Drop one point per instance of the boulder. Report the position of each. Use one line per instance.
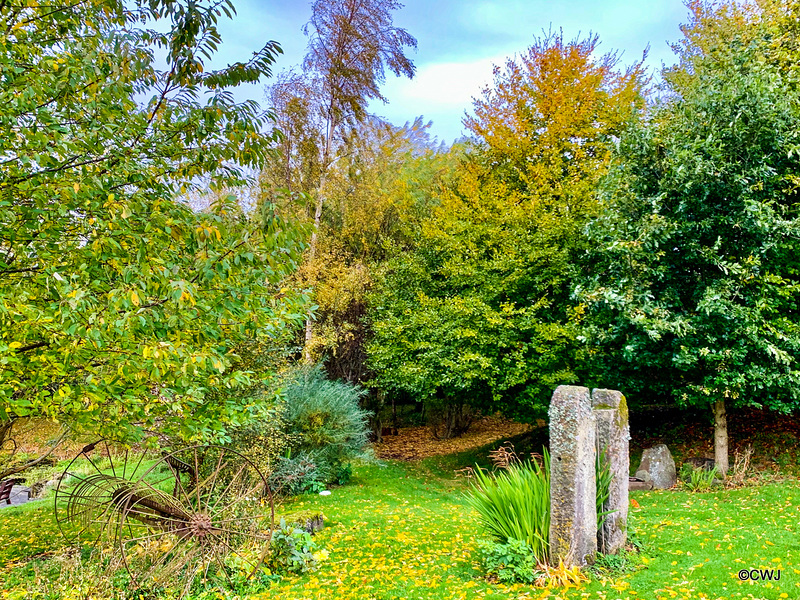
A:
(658, 467)
(634, 483)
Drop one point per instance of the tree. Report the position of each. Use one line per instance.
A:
(351, 45)
(377, 194)
(120, 307)
(695, 291)
(482, 313)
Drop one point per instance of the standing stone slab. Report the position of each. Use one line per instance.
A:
(613, 435)
(573, 514)
(658, 467)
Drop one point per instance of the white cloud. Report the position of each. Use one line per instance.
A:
(447, 84)
(441, 92)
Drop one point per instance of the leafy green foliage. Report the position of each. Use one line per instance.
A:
(481, 312)
(323, 416)
(602, 471)
(376, 194)
(515, 505)
(693, 297)
(510, 562)
(263, 439)
(297, 473)
(615, 565)
(293, 550)
(120, 307)
(698, 479)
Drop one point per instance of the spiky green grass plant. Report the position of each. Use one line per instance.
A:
(514, 504)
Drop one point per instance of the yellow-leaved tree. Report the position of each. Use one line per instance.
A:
(481, 316)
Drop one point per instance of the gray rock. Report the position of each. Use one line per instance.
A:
(635, 483)
(613, 435)
(658, 467)
(41, 488)
(573, 514)
(19, 495)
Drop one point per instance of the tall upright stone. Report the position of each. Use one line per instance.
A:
(573, 513)
(613, 435)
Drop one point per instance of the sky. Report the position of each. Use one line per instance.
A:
(458, 42)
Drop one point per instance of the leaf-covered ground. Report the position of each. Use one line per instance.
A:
(403, 531)
(415, 443)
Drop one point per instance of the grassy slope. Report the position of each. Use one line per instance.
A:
(404, 531)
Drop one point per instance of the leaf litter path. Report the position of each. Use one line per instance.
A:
(416, 443)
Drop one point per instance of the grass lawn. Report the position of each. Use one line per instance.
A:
(403, 530)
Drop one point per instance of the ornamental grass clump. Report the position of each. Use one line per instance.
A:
(515, 504)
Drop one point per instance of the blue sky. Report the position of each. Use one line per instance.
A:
(459, 41)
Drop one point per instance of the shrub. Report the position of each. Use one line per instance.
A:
(698, 479)
(264, 439)
(293, 550)
(325, 421)
(296, 474)
(515, 504)
(510, 562)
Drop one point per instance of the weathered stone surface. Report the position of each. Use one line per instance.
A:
(573, 514)
(613, 435)
(19, 495)
(658, 467)
(638, 484)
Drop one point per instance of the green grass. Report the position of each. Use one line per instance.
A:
(406, 531)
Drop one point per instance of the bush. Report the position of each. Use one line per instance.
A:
(264, 440)
(515, 505)
(510, 562)
(293, 550)
(327, 426)
(698, 479)
(296, 474)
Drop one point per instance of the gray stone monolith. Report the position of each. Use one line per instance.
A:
(658, 467)
(613, 435)
(573, 513)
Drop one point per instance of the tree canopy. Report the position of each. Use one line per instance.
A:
(481, 314)
(694, 293)
(120, 307)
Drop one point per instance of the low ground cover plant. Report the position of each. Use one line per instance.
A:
(698, 479)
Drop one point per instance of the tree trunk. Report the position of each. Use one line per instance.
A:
(312, 251)
(720, 437)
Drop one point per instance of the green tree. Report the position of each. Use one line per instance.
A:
(120, 307)
(695, 290)
(352, 43)
(482, 315)
(377, 195)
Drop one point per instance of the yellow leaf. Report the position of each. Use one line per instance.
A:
(135, 298)
(76, 186)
